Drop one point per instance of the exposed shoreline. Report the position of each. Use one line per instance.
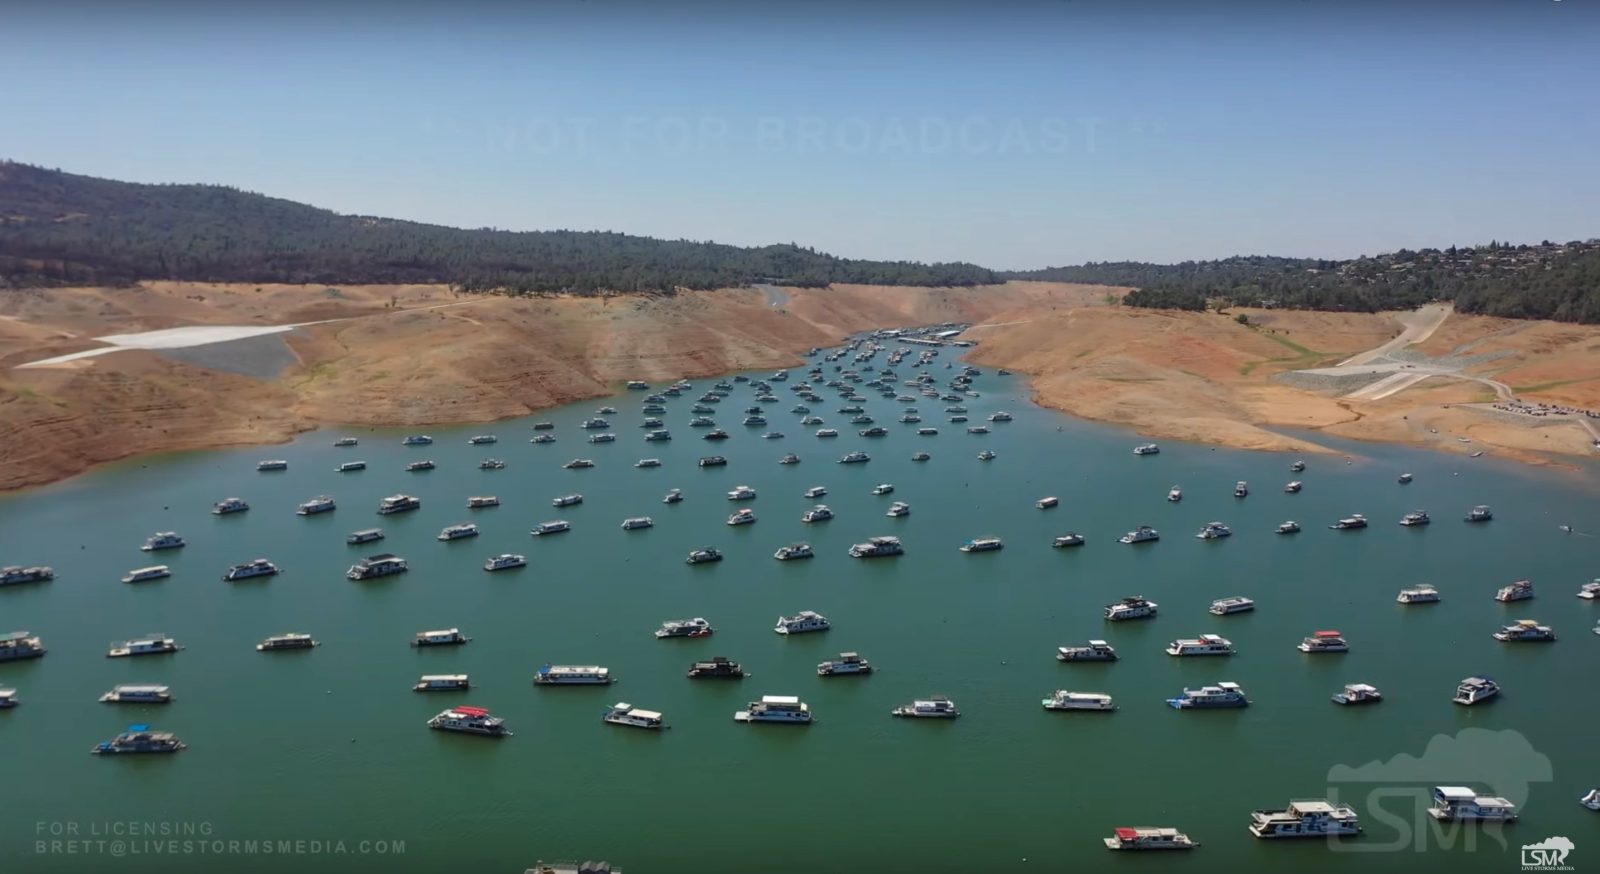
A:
(392, 356)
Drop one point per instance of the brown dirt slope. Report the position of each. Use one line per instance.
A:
(394, 356)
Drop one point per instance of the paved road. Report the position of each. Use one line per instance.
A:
(1419, 326)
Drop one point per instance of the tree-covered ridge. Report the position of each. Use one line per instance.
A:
(1559, 281)
(64, 229)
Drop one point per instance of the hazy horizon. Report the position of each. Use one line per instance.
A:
(1014, 135)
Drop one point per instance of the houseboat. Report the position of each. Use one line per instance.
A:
(1350, 522)
(8, 698)
(442, 683)
(319, 504)
(470, 720)
(505, 561)
(272, 464)
(719, 668)
(1293, 487)
(790, 458)
(846, 663)
(398, 504)
(139, 739)
(1174, 494)
(801, 623)
(350, 467)
(1204, 645)
(482, 439)
(877, 547)
(419, 466)
(696, 627)
(343, 442)
(18, 645)
(1462, 804)
(647, 462)
(543, 438)
(441, 637)
(566, 500)
(741, 493)
(898, 509)
(458, 531)
(1521, 590)
(1134, 607)
(1357, 693)
(986, 455)
(154, 643)
(1142, 534)
(292, 640)
(703, 555)
(137, 695)
(1235, 604)
(1414, 518)
(1525, 631)
(229, 505)
(15, 575)
(139, 575)
(1405, 478)
(623, 713)
(1071, 538)
(782, 709)
(1222, 695)
(1474, 690)
(672, 497)
(713, 461)
(1297, 467)
(1305, 819)
(417, 440)
(163, 540)
(1147, 449)
(932, 707)
(1214, 531)
(1289, 527)
(1241, 489)
(1323, 641)
(815, 492)
(554, 526)
(578, 464)
(1063, 699)
(1480, 513)
(572, 675)
(366, 535)
(250, 570)
(745, 516)
(1126, 838)
(1096, 651)
(793, 551)
(1421, 594)
(606, 437)
(636, 523)
(856, 457)
(372, 567)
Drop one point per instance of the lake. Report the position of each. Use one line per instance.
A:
(328, 747)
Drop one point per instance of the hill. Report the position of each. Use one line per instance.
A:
(1557, 281)
(65, 229)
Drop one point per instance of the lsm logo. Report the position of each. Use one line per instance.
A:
(1549, 854)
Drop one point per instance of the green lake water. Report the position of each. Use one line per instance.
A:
(329, 745)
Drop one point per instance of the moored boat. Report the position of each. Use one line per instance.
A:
(846, 663)
(1521, 590)
(1063, 699)
(154, 643)
(719, 667)
(1132, 607)
(572, 675)
(441, 637)
(1142, 838)
(1525, 631)
(154, 572)
(372, 567)
(292, 640)
(1463, 804)
(1357, 693)
(804, 622)
(1095, 651)
(1305, 819)
(623, 713)
(1234, 604)
(163, 540)
(442, 683)
(139, 739)
(1474, 690)
(470, 720)
(932, 707)
(259, 567)
(696, 627)
(1221, 696)
(505, 561)
(137, 694)
(1324, 641)
(1419, 594)
(780, 709)
(793, 551)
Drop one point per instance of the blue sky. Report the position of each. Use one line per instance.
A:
(1012, 134)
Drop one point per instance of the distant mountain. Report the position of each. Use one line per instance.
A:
(64, 229)
(1559, 281)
